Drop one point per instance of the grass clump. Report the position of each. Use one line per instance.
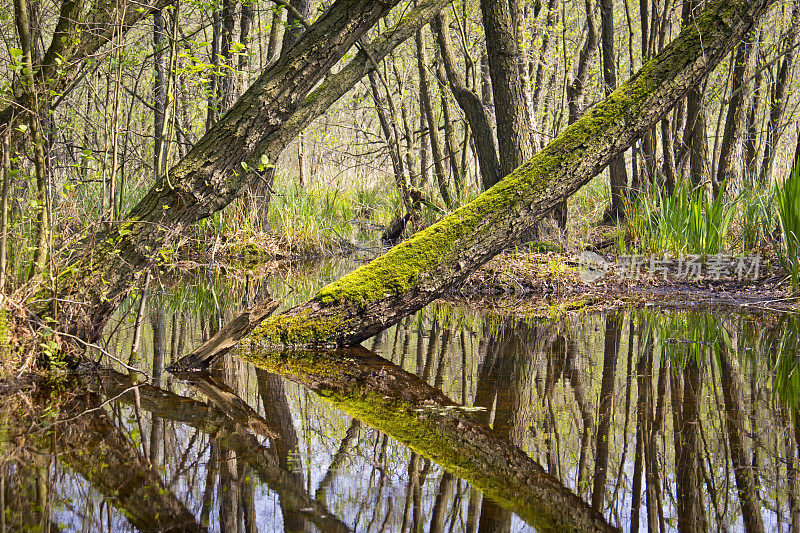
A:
(787, 200)
(683, 221)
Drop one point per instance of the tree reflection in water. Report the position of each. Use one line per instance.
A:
(657, 420)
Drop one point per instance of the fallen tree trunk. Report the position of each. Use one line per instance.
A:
(226, 338)
(412, 274)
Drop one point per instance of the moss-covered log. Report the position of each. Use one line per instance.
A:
(417, 271)
(409, 410)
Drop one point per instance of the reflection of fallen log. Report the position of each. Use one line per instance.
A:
(229, 424)
(89, 443)
(401, 405)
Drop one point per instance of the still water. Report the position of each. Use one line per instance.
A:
(456, 419)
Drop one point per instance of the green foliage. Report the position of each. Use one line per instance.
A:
(786, 371)
(324, 217)
(787, 200)
(684, 221)
(756, 209)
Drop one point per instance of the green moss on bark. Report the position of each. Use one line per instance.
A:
(298, 330)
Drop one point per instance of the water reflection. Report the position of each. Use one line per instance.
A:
(635, 419)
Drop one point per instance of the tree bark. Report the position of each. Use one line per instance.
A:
(294, 28)
(390, 134)
(430, 118)
(746, 476)
(618, 173)
(409, 410)
(472, 106)
(735, 118)
(610, 351)
(412, 274)
(511, 110)
(6, 170)
(779, 98)
(42, 238)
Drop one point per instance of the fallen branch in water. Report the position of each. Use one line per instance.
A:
(225, 339)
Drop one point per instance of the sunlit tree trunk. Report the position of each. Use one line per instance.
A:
(6, 170)
(42, 238)
(511, 111)
(618, 173)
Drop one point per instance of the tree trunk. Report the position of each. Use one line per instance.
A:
(294, 27)
(422, 268)
(430, 118)
(618, 173)
(389, 129)
(746, 476)
(6, 169)
(42, 238)
(449, 134)
(749, 149)
(610, 351)
(780, 94)
(511, 111)
(409, 410)
(472, 106)
(159, 92)
(576, 89)
(691, 516)
(734, 121)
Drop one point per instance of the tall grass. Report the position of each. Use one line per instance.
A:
(756, 210)
(320, 218)
(684, 221)
(787, 199)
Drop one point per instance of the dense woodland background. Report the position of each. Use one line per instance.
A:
(124, 90)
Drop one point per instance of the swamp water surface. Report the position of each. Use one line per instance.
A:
(648, 418)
